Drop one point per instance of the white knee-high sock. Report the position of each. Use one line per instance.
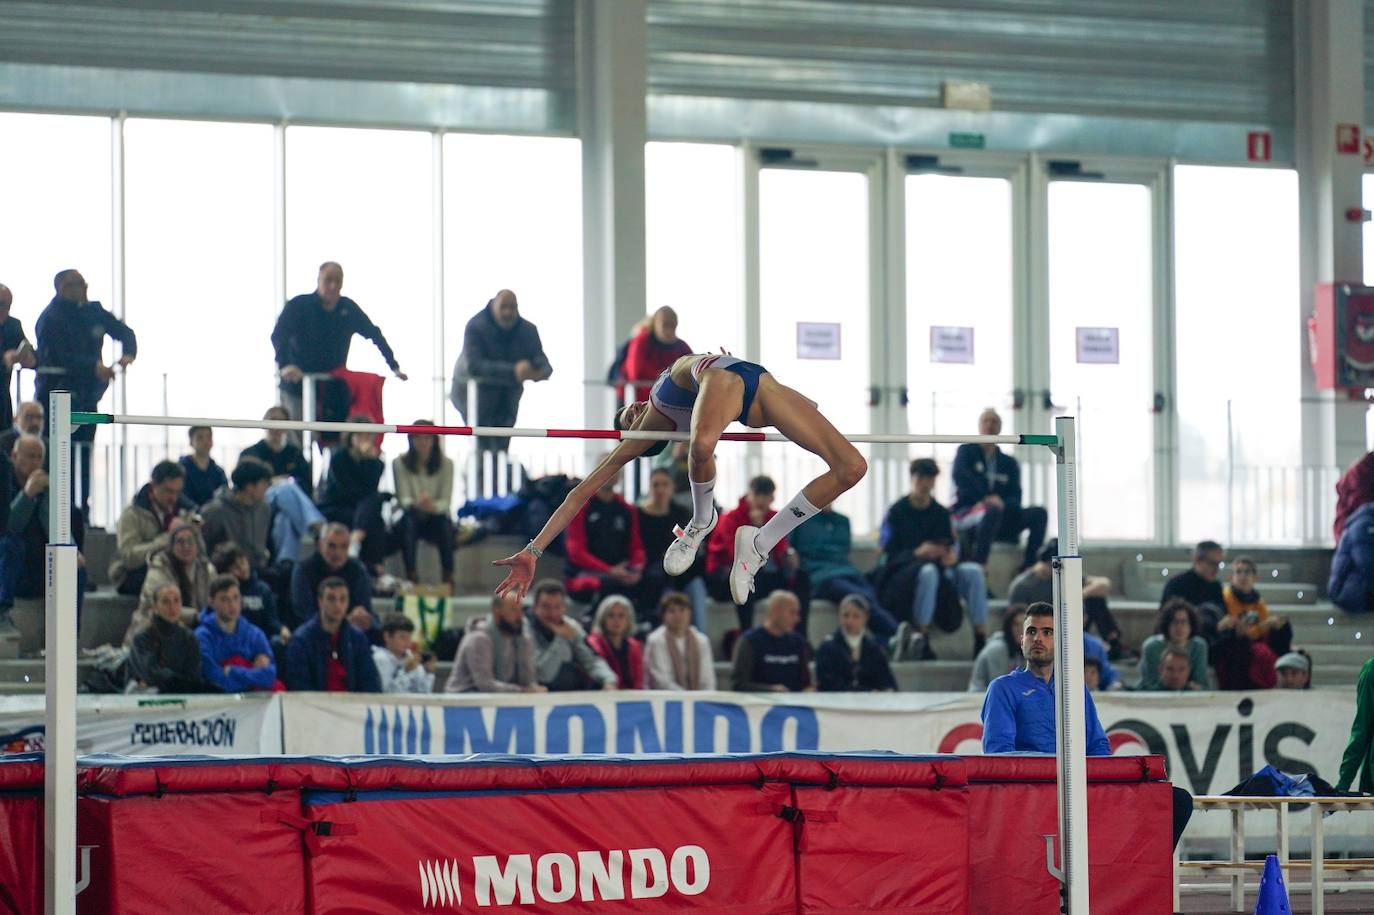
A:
(702, 504)
(783, 523)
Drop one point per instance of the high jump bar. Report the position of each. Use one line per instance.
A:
(292, 425)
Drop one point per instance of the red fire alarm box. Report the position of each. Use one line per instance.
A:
(1341, 336)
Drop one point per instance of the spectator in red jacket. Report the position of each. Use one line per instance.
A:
(1353, 489)
(783, 569)
(605, 552)
(651, 350)
(612, 637)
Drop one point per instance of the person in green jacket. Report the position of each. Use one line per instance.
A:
(1360, 749)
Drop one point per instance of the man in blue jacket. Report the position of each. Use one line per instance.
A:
(235, 655)
(71, 333)
(987, 497)
(1018, 711)
(329, 654)
(1351, 586)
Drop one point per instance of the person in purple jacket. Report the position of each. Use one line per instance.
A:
(235, 655)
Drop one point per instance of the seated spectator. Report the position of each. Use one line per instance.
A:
(1199, 587)
(773, 657)
(1351, 584)
(1092, 674)
(240, 515)
(1354, 489)
(258, 601)
(1294, 670)
(399, 666)
(605, 554)
(24, 497)
(1172, 674)
(1095, 648)
(1018, 711)
(424, 489)
(327, 653)
(658, 516)
(920, 567)
(1248, 614)
(235, 655)
(611, 639)
(496, 654)
(823, 544)
(1037, 584)
(143, 526)
(164, 655)
(562, 658)
(1002, 653)
(203, 475)
(28, 421)
(987, 499)
(349, 495)
(652, 348)
(284, 456)
(782, 571)
(1176, 625)
(183, 564)
(677, 654)
(331, 560)
(851, 660)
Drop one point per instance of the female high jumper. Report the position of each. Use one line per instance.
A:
(703, 394)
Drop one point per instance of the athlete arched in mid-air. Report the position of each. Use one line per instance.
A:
(703, 394)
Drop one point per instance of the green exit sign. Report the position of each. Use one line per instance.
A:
(967, 140)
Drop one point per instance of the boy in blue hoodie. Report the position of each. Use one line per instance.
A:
(235, 655)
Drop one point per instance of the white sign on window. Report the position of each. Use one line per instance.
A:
(1099, 345)
(818, 341)
(951, 344)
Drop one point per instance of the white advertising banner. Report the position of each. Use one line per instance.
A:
(1210, 740)
(153, 725)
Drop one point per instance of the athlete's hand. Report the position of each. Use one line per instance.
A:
(726, 352)
(519, 577)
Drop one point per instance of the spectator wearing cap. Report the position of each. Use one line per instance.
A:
(203, 475)
(851, 660)
(400, 667)
(773, 657)
(1294, 670)
(677, 654)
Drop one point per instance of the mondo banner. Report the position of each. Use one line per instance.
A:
(152, 725)
(1211, 741)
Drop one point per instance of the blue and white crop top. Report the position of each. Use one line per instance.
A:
(676, 402)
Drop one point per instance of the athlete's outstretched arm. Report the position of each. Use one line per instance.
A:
(522, 564)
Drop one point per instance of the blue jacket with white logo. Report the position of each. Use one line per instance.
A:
(1018, 717)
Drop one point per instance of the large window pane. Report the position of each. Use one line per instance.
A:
(814, 287)
(56, 187)
(693, 241)
(513, 219)
(959, 306)
(364, 198)
(1236, 261)
(198, 254)
(1101, 312)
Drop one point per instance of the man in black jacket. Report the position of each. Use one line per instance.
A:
(71, 332)
(501, 351)
(987, 499)
(314, 331)
(327, 654)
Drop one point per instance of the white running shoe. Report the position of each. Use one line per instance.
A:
(682, 552)
(748, 561)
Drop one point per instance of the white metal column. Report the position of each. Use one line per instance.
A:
(1071, 745)
(119, 467)
(59, 671)
(436, 192)
(612, 122)
(1329, 76)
